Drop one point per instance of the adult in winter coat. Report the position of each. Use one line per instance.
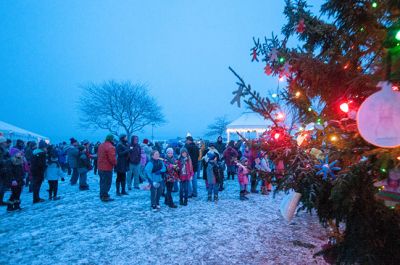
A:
(193, 151)
(38, 167)
(4, 168)
(185, 175)
(122, 165)
(73, 156)
(155, 168)
(171, 176)
(106, 161)
(83, 167)
(230, 156)
(134, 163)
(94, 155)
(16, 181)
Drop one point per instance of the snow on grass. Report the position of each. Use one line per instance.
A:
(80, 229)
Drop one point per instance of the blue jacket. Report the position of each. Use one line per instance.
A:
(156, 176)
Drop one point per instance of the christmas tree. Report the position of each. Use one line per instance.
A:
(343, 54)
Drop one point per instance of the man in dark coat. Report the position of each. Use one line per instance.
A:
(122, 164)
(134, 163)
(38, 167)
(194, 152)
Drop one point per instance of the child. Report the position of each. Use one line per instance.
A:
(212, 175)
(53, 174)
(16, 182)
(83, 167)
(243, 178)
(262, 165)
(172, 175)
(154, 170)
(185, 175)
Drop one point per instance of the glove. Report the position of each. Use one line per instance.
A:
(156, 184)
(14, 183)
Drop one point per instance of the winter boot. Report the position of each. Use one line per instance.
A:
(17, 204)
(181, 202)
(209, 198)
(215, 198)
(242, 195)
(185, 202)
(10, 206)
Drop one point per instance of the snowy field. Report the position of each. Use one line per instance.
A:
(80, 229)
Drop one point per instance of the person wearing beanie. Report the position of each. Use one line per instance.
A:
(106, 161)
(53, 173)
(212, 176)
(4, 168)
(172, 175)
(73, 157)
(185, 175)
(83, 167)
(38, 167)
(16, 181)
(122, 164)
(193, 152)
(134, 163)
(155, 169)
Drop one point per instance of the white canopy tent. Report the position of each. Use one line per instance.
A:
(247, 123)
(14, 133)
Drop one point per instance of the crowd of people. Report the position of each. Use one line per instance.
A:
(161, 169)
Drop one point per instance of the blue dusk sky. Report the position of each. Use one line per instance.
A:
(180, 48)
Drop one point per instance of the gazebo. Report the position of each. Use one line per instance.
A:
(248, 124)
(14, 133)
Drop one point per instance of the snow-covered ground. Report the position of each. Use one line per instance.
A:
(80, 229)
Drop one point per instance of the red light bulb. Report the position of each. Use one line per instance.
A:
(344, 107)
(277, 135)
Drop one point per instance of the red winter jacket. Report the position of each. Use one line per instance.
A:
(189, 170)
(106, 159)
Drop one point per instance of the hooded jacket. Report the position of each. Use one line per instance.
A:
(106, 157)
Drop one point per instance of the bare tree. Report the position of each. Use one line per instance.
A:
(218, 127)
(117, 106)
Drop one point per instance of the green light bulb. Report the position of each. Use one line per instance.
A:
(281, 59)
(383, 170)
(374, 4)
(398, 35)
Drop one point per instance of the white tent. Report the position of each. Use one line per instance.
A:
(13, 133)
(247, 123)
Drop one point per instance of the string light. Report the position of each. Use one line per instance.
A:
(274, 95)
(344, 107)
(281, 59)
(395, 88)
(398, 158)
(282, 78)
(277, 135)
(319, 121)
(374, 4)
(309, 109)
(383, 170)
(297, 94)
(334, 138)
(398, 36)
(280, 116)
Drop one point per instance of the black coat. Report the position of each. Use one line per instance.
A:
(135, 154)
(122, 151)
(38, 163)
(194, 153)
